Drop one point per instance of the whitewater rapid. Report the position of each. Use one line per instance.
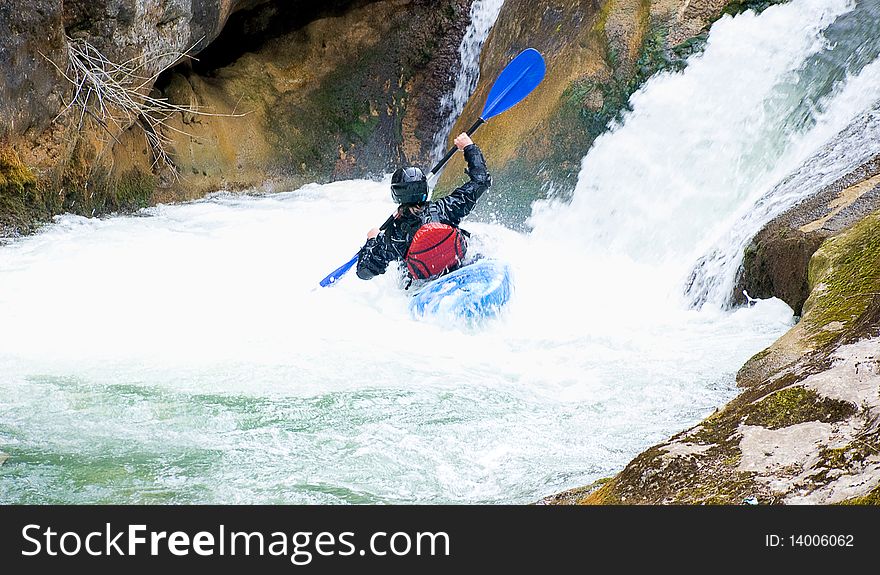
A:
(186, 354)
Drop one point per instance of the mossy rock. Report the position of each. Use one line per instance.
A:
(872, 498)
(15, 177)
(604, 495)
(131, 191)
(702, 465)
(19, 195)
(657, 477)
(844, 277)
(843, 306)
(577, 495)
(738, 6)
(795, 405)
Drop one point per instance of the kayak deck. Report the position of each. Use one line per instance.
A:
(477, 291)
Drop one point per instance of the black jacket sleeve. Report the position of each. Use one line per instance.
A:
(459, 203)
(374, 257)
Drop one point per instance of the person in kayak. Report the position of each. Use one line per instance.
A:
(425, 235)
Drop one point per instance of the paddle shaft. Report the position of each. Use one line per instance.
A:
(453, 149)
(340, 271)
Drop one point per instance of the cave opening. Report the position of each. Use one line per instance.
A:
(248, 30)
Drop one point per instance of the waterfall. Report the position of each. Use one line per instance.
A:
(820, 96)
(714, 276)
(483, 16)
(706, 157)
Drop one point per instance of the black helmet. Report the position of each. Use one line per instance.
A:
(409, 186)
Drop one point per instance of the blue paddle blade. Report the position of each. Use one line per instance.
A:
(517, 80)
(339, 272)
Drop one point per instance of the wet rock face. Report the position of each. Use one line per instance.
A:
(30, 89)
(353, 93)
(775, 263)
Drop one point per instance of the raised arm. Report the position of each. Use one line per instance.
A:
(459, 203)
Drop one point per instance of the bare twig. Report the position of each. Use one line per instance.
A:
(116, 95)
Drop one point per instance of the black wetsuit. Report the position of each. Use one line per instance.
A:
(393, 242)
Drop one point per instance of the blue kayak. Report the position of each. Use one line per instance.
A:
(477, 291)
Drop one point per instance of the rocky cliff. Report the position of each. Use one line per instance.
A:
(62, 155)
(350, 95)
(291, 92)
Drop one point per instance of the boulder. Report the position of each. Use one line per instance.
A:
(775, 264)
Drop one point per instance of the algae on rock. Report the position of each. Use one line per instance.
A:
(19, 196)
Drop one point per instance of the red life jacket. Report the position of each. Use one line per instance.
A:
(435, 249)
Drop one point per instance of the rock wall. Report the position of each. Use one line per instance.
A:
(31, 89)
(68, 158)
(34, 52)
(296, 91)
(349, 95)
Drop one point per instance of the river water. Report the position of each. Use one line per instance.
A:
(185, 355)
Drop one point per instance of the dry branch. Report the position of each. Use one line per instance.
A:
(116, 95)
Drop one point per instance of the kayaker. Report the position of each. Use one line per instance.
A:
(423, 234)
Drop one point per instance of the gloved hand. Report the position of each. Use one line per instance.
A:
(462, 141)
